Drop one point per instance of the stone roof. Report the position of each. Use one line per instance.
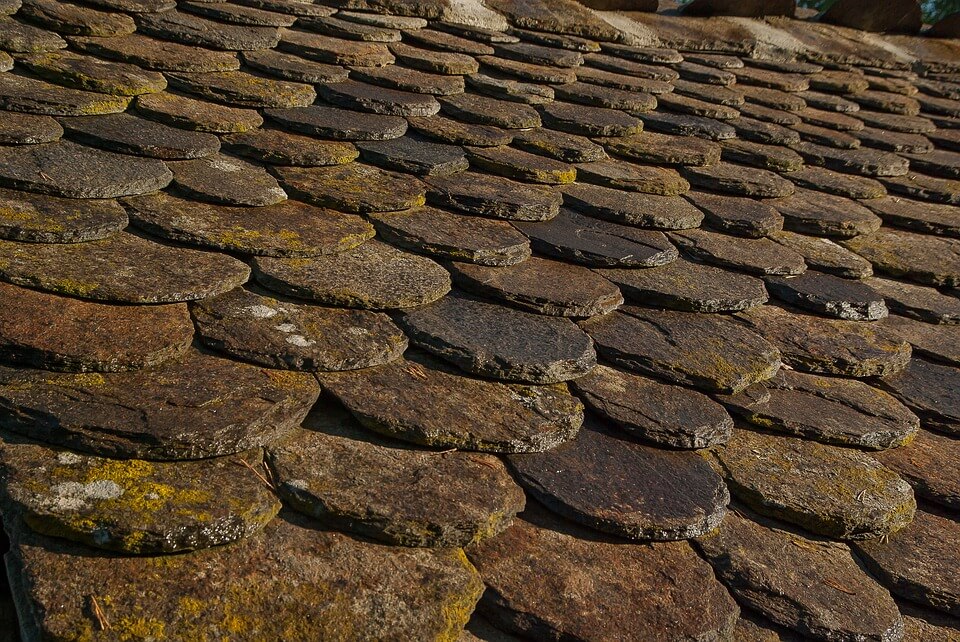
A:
(441, 320)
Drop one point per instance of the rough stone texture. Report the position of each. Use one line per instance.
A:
(481, 110)
(507, 88)
(290, 67)
(686, 125)
(277, 147)
(424, 401)
(635, 591)
(526, 71)
(93, 74)
(937, 342)
(438, 62)
(448, 42)
(756, 256)
(129, 134)
(825, 255)
(338, 124)
(293, 336)
(737, 215)
(543, 286)
(648, 179)
(291, 580)
(373, 275)
(925, 188)
(686, 285)
(926, 625)
(813, 586)
(289, 228)
(900, 16)
(520, 165)
(917, 301)
(241, 89)
(134, 506)
(197, 406)
(226, 180)
(925, 259)
(829, 410)
(198, 115)
(498, 342)
(893, 141)
(618, 486)
(123, 268)
(929, 218)
(353, 187)
(761, 155)
(454, 132)
(51, 219)
(862, 162)
(421, 82)
(238, 14)
(732, 179)
(189, 29)
(829, 295)
(18, 37)
(632, 208)
(335, 50)
(661, 149)
(581, 239)
(655, 412)
(160, 55)
(609, 97)
(494, 197)
(59, 333)
(932, 391)
(710, 352)
(819, 214)
(354, 480)
(559, 145)
(836, 492)
(919, 562)
(28, 129)
(378, 100)
(75, 171)
(825, 180)
(589, 121)
(829, 346)
(415, 155)
(72, 19)
(931, 463)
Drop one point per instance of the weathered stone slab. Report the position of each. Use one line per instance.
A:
(774, 99)
(226, 180)
(770, 115)
(351, 479)
(930, 390)
(916, 301)
(353, 187)
(897, 122)
(239, 14)
(34, 96)
(50, 219)
(76, 20)
(648, 179)
(454, 132)
(687, 125)
(637, 69)
(736, 215)
(619, 81)
(685, 104)
(761, 155)
(401, 78)
(930, 463)
(447, 42)
(638, 591)
(277, 147)
(730, 97)
(829, 295)
(198, 115)
(569, 148)
(632, 208)
(128, 134)
(928, 218)
(371, 276)
(836, 492)
(159, 55)
(937, 342)
(599, 96)
(502, 86)
(564, 17)
(134, 506)
(520, 165)
(241, 89)
(825, 180)
(482, 110)
(423, 401)
(757, 256)
(901, 16)
(338, 124)
(28, 129)
(821, 123)
(862, 162)
(438, 62)
(925, 259)
(526, 71)
(819, 214)
(193, 407)
(378, 100)
(733, 179)
(189, 29)
(495, 341)
(829, 346)
(388, 21)
(19, 37)
(925, 188)
(585, 120)
(93, 74)
(335, 26)
(290, 67)
(893, 141)
(581, 239)
(825, 255)
(661, 149)
(494, 197)
(335, 51)
(710, 352)
(812, 586)
(823, 136)
(839, 81)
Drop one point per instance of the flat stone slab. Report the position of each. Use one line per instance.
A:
(829, 295)
(293, 336)
(829, 346)
(937, 342)
(415, 155)
(449, 235)
(733, 179)
(289, 577)
(657, 413)
(238, 14)
(189, 408)
(374, 276)
(454, 132)
(558, 145)
(39, 218)
(445, 41)
(505, 87)
(930, 463)
(737, 215)
(58, 333)
(354, 187)
(542, 286)
(498, 342)
(405, 79)
(189, 29)
(133, 506)
(439, 62)
(66, 169)
(494, 197)
(665, 344)
(93, 74)
(825, 180)
(129, 134)
(919, 562)
(819, 214)
(764, 156)
(18, 37)
(338, 124)
(632, 208)
(289, 228)
(291, 67)
(159, 55)
(599, 96)
(596, 243)
(825, 255)
(198, 115)
(123, 268)
(521, 165)
(482, 110)
(930, 390)
(623, 175)
(423, 401)
(339, 51)
(920, 216)
(354, 480)
(922, 258)
(829, 410)
(378, 100)
(28, 129)
(241, 89)
(925, 188)
(863, 161)
(687, 125)
(760, 256)
(812, 586)
(276, 147)
(228, 181)
(34, 96)
(638, 591)
(589, 121)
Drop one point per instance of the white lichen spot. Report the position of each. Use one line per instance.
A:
(224, 165)
(300, 341)
(260, 311)
(103, 489)
(68, 459)
(358, 332)
(286, 327)
(298, 484)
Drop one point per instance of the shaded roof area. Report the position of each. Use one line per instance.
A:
(380, 320)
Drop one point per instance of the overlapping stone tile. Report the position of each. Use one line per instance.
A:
(930, 464)
(824, 136)
(609, 97)
(482, 110)
(160, 55)
(411, 23)
(238, 14)
(733, 179)
(402, 78)
(72, 19)
(917, 301)
(448, 42)
(528, 72)
(930, 390)
(768, 115)
(198, 115)
(761, 155)
(687, 125)
(830, 182)
(241, 89)
(649, 179)
(925, 188)
(619, 81)
(277, 147)
(189, 29)
(423, 401)
(930, 218)
(129, 134)
(896, 122)
(640, 209)
(353, 187)
(33, 96)
(925, 259)
(133, 506)
(759, 256)
(349, 30)
(822, 122)
(454, 132)
(938, 342)
(735, 215)
(829, 295)
(338, 124)
(134, 6)
(773, 98)
(439, 62)
(226, 180)
(662, 149)
(825, 255)
(816, 213)
(892, 141)
(500, 85)
(93, 74)
(362, 96)
(51, 219)
(558, 145)
(334, 50)
(28, 129)
(415, 155)
(291, 67)
(19, 37)
(494, 197)
(521, 165)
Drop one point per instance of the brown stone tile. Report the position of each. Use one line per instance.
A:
(825, 255)
(925, 259)
(759, 256)
(26, 216)
(198, 115)
(160, 55)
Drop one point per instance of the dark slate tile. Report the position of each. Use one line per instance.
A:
(41, 330)
(564, 17)
(619, 81)
(589, 241)
(825, 255)
(716, 94)
(683, 104)
(75, 171)
(423, 401)
(707, 351)
(562, 146)
(543, 286)
(837, 411)
(831, 182)
(941, 163)
(336, 27)
(689, 286)
(930, 463)
(717, 61)
(160, 55)
(294, 336)
(226, 180)
(354, 187)
(18, 37)
(829, 346)
(93, 74)
(734, 179)
(896, 123)
(584, 120)
(609, 97)
(761, 155)
(277, 147)
(759, 256)
(115, 505)
(33, 96)
(828, 137)
(829, 102)
(350, 479)
(648, 590)
(198, 115)
(438, 62)
(520, 165)
(6, 61)
(189, 29)
(539, 55)
(815, 486)
(338, 124)
(937, 342)
(493, 36)
(493, 197)
(415, 155)
(784, 81)
(626, 67)
(655, 494)
(361, 96)
(655, 412)
(455, 132)
(917, 301)
(945, 138)
(499, 85)
(50, 219)
(532, 73)
(130, 134)
(819, 214)
(481, 110)
(838, 82)
(290, 67)
(557, 40)
(412, 80)
(829, 295)
(892, 141)
(447, 42)
(241, 89)
(887, 102)
(930, 390)
(448, 235)
(290, 7)
(238, 14)
(372, 276)
(710, 74)
(810, 585)
(925, 259)
(193, 407)
(929, 218)
(769, 115)
(773, 98)
(925, 188)
(686, 125)
(737, 215)
(863, 161)
(388, 21)
(830, 120)
(334, 51)
(72, 19)
(662, 149)
(632, 208)
(134, 6)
